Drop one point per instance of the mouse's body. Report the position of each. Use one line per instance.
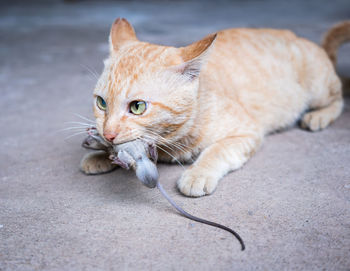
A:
(137, 154)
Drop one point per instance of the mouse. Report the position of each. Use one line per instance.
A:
(141, 156)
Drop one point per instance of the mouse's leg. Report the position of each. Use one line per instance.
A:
(215, 161)
(96, 163)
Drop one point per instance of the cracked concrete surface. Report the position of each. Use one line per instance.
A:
(290, 203)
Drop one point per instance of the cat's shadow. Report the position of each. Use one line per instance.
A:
(122, 186)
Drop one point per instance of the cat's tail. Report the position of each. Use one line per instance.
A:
(336, 36)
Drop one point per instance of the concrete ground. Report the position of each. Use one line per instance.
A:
(290, 203)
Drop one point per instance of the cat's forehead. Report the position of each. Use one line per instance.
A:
(135, 64)
(142, 57)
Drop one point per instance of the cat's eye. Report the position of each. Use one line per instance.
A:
(101, 103)
(137, 107)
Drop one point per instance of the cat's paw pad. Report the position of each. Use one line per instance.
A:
(196, 184)
(315, 121)
(96, 163)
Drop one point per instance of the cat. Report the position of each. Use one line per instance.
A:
(211, 103)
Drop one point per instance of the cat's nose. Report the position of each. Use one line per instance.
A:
(110, 136)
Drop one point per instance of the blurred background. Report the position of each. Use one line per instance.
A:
(290, 203)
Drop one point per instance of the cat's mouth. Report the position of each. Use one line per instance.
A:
(97, 142)
(123, 141)
(92, 131)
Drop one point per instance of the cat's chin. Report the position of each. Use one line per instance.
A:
(122, 141)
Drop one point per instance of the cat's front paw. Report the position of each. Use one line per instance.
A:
(96, 163)
(196, 183)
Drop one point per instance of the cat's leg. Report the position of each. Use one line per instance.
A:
(96, 163)
(215, 161)
(319, 119)
(326, 101)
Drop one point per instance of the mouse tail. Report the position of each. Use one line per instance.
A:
(200, 220)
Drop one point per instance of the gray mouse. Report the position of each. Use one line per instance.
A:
(142, 156)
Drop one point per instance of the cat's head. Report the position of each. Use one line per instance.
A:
(147, 90)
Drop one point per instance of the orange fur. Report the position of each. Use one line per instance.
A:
(337, 35)
(213, 101)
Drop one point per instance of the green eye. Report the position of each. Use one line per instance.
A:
(101, 103)
(137, 107)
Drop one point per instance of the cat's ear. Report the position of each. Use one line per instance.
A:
(121, 33)
(194, 56)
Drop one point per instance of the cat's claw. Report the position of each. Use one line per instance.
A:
(196, 184)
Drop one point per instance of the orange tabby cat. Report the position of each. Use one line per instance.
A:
(212, 102)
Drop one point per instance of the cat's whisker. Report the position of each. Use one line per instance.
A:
(82, 127)
(81, 123)
(92, 78)
(95, 72)
(84, 118)
(79, 133)
(169, 146)
(178, 148)
(155, 139)
(78, 125)
(89, 70)
(177, 145)
(171, 156)
(72, 128)
(185, 147)
(76, 128)
(163, 143)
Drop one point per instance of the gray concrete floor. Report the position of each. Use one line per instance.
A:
(290, 203)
